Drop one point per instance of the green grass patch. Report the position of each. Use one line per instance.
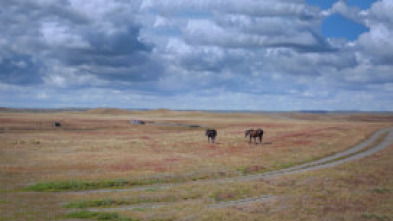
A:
(125, 202)
(95, 203)
(377, 217)
(98, 216)
(112, 184)
(382, 190)
(287, 165)
(77, 185)
(112, 203)
(3, 202)
(151, 190)
(90, 185)
(139, 209)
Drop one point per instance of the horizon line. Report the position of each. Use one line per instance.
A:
(315, 111)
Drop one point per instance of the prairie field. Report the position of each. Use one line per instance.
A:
(99, 166)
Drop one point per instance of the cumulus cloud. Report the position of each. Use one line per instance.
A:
(222, 54)
(377, 43)
(98, 39)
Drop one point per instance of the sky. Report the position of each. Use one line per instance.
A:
(264, 55)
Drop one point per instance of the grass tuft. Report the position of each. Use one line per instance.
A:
(98, 216)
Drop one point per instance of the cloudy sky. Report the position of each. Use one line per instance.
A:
(197, 54)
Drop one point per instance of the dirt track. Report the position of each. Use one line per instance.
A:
(366, 148)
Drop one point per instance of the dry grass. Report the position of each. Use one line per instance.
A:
(99, 146)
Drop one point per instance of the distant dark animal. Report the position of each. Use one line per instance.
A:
(254, 134)
(138, 122)
(56, 124)
(211, 135)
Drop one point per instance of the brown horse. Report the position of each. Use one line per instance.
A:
(211, 135)
(254, 133)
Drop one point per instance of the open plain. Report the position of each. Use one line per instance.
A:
(98, 166)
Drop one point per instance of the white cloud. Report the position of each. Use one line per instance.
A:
(381, 11)
(62, 77)
(377, 44)
(58, 35)
(352, 13)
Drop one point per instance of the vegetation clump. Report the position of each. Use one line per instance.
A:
(76, 185)
(101, 216)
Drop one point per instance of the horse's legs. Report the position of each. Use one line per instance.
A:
(260, 139)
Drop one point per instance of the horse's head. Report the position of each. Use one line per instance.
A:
(246, 133)
(211, 133)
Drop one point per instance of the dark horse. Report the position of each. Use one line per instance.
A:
(56, 124)
(211, 134)
(254, 133)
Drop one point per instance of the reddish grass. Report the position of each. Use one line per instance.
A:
(122, 167)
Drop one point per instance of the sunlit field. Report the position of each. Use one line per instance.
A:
(53, 173)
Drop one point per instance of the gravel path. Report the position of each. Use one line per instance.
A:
(356, 152)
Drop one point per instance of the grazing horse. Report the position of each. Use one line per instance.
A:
(211, 134)
(254, 133)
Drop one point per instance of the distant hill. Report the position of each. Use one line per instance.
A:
(113, 111)
(161, 110)
(314, 111)
(5, 109)
(40, 110)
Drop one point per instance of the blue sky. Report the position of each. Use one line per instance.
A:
(337, 26)
(190, 54)
(326, 4)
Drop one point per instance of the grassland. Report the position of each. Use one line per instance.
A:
(45, 171)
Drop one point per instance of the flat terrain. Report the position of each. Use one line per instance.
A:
(99, 166)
